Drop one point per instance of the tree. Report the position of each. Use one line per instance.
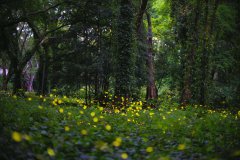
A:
(151, 87)
(23, 37)
(124, 73)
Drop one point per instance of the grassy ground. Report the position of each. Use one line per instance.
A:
(64, 128)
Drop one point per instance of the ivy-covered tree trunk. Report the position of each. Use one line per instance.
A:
(208, 35)
(124, 73)
(151, 87)
(204, 58)
(190, 43)
(140, 71)
(186, 92)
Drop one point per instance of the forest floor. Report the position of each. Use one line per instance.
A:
(59, 127)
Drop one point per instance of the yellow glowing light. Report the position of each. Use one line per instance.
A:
(61, 110)
(16, 136)
(93, 114)
(84, 132)
(181, 147)
(66, 128)
(124, 155)
(95, 119)
(108, 127)
(51, 152)
(81, 112)
(149, 149)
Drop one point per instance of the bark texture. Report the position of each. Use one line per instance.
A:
(151, 87)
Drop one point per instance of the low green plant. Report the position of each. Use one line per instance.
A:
(53, 128)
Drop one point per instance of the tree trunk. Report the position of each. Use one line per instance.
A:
(40, 75)
(96, 86)
(141, 67)
(204, 58)
(99, 74)
(187, 92)
(28, 76)
(151, 87)
(17, 82)
(189, 66)
(124, 71)
(30, 84)
(105, 83)
(140, 14)
(4, 82)
(43, 71)
(86, 87)
(9, 76)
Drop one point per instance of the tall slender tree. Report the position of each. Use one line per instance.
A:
(151, 87)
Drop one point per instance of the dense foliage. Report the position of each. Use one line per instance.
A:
(65, 128)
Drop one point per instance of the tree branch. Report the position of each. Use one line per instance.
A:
(140, 14)
(24, 18)
(45, 10)
(40, 40)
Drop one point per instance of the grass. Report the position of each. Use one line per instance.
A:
(65, 128)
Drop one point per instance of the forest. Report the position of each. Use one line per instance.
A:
(120, 79)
